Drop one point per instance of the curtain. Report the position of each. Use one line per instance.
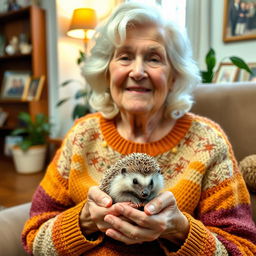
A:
(198, 14)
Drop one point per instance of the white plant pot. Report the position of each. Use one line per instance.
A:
(30, 161)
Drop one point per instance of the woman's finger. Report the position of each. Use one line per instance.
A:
(99, 197)
(159, 203)
(120, 237)
(130, 233)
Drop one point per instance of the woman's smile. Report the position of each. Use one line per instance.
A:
(138, 89)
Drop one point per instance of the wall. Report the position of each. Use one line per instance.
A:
(68, 52)
(243, 49)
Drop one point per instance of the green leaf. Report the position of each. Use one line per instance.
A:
(24, 117)
(210, 60)
(19, 131)
(80, 110)
(240, 64)
(62, 101)
(67, 82)
(25, 144)
(81, 57)
(207, 76)
(80, 93)
(40, 119)
(34, 132)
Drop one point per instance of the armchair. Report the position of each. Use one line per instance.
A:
(231, 105)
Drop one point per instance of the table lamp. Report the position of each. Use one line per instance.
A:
(82, 24)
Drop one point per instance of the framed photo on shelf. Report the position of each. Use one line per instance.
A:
(34, 89)
(239, 20)
(245, 76)
(227, 72)
(11, 141)
(14, 84)
(3, 117)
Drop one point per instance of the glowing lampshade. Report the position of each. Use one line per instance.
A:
(82, 24)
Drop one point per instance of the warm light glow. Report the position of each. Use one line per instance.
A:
(82, 24)
(81, 33)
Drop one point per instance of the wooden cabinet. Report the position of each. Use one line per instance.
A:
(31, 22)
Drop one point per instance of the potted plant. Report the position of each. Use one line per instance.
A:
(210, 60)
(29, 154)
(80, 108)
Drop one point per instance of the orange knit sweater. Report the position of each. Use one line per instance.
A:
(199, 168)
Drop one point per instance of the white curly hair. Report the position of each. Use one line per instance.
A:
(180, 99)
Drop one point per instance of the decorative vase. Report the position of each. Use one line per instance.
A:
(30, 161)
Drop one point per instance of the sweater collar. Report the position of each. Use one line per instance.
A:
(123, 146)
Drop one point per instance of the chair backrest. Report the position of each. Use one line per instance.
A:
(233, 107)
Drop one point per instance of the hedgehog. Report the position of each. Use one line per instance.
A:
(136, 178)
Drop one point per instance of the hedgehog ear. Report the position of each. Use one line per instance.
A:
(123, 170)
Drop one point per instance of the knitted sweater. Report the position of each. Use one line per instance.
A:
(199, 169)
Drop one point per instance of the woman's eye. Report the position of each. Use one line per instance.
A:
(124, 58)
(154, 59)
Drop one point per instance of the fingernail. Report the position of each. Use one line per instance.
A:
(105, 201)
(151, 208)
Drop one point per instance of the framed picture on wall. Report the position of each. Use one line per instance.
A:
(14, 84)
(245, 76)
(239, 20)
(226, 73)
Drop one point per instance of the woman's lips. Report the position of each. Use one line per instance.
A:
(138, 89)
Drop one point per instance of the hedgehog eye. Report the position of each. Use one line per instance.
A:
(151, 183)
(135, 181)
(123, 170)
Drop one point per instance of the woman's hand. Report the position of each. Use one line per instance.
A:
(161, 219)
(98, 205)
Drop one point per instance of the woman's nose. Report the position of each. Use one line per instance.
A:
(138, 71)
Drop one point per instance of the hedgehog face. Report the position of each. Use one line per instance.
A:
(134, 178)
(135, 187)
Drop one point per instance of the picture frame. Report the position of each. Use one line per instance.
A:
(34, 89)
(3, 117)
(10, 142)
(14, 84)
(244, 76)
(239, 20)
(226, 73)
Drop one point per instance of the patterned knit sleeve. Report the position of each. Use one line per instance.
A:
(53, 227)
(222, 222)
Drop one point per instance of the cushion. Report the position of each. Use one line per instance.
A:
(248, 169)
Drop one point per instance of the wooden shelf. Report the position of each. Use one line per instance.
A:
(31, 22)
(14, 15)
(15, 56)
(13, 101)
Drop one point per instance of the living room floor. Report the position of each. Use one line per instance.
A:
(16, 188)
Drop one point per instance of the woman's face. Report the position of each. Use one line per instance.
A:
(140, 73)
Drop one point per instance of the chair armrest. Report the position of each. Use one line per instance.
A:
(12, 221)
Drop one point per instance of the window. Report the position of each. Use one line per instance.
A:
(175, 9)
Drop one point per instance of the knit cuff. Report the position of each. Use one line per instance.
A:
(67, 234)
(195, 241)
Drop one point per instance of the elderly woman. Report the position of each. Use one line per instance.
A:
(142, 75)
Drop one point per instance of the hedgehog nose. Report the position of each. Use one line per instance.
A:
(145, 193)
